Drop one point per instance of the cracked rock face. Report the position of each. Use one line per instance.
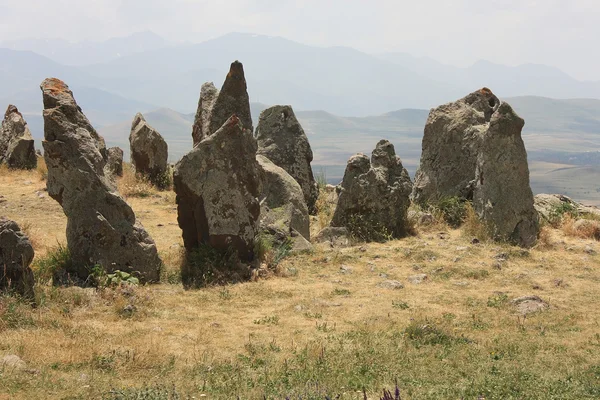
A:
(503, 198)
(216, 107)
(149, 151)
(451, 142)
(217, 186)
(16, 143)
(374, 195)
(472, 149)
(283, 212)
(101, 227)
(16, 255)
(282, 140)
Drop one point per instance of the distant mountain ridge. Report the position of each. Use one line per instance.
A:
(340, 80)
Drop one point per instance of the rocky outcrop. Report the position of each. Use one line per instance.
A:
(201, 128)
(374, 195)
(114, 161)
(16, 255)
(503, 198)
(101, 227)
(149, 152)
(451, 142)
(216, 107)
(217, 187)
(282, 140)
(552, 206)
(16, 143)
(283, 211)
(472, 149)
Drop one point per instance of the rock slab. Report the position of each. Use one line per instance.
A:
(217, 186)
(149, 152)
(101, 227)
(16, 255)
(216, 107)
(374, 195)
(282, 140)
(16, 143)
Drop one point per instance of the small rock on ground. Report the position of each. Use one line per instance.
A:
(390, 284)
(417, 279)
(529, 304)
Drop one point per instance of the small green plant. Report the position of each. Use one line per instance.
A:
(365, 229)
(56, 259)
(427, 334)
(341, 292)
(498, 300)
(402, 305)
(268, 320)
(120, 278)
(205, 266)
(263, 245)
(451, 209)
(557, 214)
(321, 179)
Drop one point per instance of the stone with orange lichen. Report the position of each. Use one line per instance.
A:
(102, 229)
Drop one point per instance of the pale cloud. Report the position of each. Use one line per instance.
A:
(554, 32)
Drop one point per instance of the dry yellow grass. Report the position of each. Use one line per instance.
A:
(318, 323)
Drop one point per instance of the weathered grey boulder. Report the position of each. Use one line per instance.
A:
(16, 143)
(114, 162)
(149, 152)
(101, 228)
(201, 127)
(451, 142)
(283, 209)
(16, 255)
(503, 198)
(282, 140)
(472, 149)
(374, 195)
(217, 187)
(548, 205)
(216, 107)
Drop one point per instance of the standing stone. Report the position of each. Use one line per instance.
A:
(451, 143)
(282, 140)
(283, 213)
(503, 197)
(216, 107)
(201, 128)
(114, 162)
(16, 254)
(149, 152)
(16, 143)
(472, 149)
(217, 187)
(374, 195)
(101, 227)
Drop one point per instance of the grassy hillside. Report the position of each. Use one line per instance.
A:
(313, 328)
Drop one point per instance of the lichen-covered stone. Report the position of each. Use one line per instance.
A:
(16, 255)
(451, 142)
(283, 208)
(149, 152)
(374, 195)
(201, 128)
(503, 198)
(17, 148)
(473, 150)
(101, 227)
(282, 140)
(114, 162)
(217, 186)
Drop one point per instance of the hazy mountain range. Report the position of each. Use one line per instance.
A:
(353, 92)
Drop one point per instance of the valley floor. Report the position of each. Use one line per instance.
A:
(327, 324)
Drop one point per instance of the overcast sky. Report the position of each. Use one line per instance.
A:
(562, 33)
